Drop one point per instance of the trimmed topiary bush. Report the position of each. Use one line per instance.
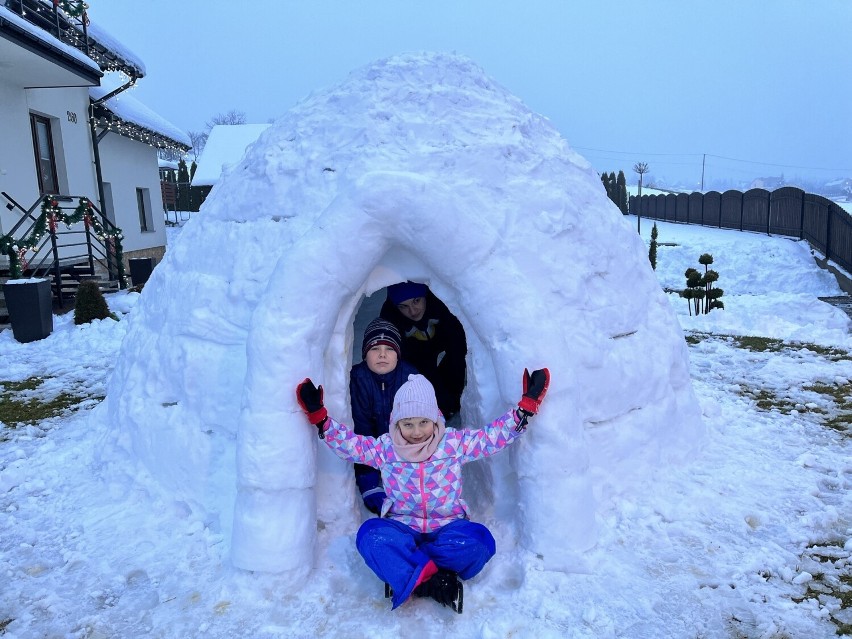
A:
(90, 304)
(699, 291)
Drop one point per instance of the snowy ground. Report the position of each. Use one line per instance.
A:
(752, 538)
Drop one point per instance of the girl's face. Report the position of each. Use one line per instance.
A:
(381, 359)
(416, 430)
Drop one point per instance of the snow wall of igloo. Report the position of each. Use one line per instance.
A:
(415, 167)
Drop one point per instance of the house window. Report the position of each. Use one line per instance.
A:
(143, 203)
(44, 155)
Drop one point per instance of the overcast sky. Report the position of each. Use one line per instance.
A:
(765, 83)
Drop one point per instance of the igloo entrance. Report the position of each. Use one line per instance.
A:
(323, 490)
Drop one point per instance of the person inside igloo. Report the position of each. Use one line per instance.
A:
(433, 340)
(373, 382)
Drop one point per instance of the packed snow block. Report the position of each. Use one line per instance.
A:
(280, 548)
(416, 167)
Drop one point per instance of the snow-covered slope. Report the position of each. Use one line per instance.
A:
(750, 538)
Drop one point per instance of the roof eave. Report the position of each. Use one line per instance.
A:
(109, 121)
(26, 40)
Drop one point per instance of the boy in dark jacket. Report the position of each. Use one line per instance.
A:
(433, 340)
(372, 386)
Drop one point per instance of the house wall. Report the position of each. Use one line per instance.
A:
(71, 143)
(68, 111)
(126, 166)
(17, 162)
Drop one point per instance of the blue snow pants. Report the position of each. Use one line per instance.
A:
(397, 553)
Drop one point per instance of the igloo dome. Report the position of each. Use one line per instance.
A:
(418, 167)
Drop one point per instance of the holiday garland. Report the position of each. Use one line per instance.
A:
(50, 216)
(74, 8)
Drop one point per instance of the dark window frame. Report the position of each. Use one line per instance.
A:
(35, 120)
(140, 205)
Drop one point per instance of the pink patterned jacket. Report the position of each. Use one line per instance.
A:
(424, 495)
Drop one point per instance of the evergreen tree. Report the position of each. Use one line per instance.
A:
(183, 186)
(621, 184)
(652, 252)
(90, 303)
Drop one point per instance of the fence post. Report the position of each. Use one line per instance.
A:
(769, 213)
(742, 205)
(828, 234)
(802, 215)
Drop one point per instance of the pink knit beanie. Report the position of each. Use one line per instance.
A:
(415, 398)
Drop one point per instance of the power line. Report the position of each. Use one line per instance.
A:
(585, 148)
(785, 166)
(709, 155)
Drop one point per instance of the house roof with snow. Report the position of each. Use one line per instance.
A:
(225, 146)
(127, 116)
(17, 33)
(76, 37)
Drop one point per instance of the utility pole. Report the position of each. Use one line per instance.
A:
(641, 168)
(703, 161)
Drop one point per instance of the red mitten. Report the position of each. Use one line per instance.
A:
(310, 399)
(535, 388)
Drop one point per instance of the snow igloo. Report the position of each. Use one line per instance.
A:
(417, 167)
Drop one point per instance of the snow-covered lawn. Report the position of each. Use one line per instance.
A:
(751, 538)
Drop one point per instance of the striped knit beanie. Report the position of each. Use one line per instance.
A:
(380, 332)
(415, 398)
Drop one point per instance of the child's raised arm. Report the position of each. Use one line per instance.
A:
(310, 399)
(342, 440)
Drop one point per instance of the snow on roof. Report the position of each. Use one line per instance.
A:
(47, 38)
(106, 40)
(130, 109)
(225, 146)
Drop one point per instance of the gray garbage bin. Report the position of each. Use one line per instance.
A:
(30, 308)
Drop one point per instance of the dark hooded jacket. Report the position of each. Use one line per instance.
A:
(436, 347)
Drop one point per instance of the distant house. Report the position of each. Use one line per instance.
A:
(768, 183)
(71, 132)
(226, 145)
(839, 188)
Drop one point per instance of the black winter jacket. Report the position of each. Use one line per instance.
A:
(437, 347)
(372, 396)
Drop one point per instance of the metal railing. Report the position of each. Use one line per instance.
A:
(67, 249)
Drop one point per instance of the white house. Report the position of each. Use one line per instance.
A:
(70, 132)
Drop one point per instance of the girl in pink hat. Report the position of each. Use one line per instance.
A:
(423, 543)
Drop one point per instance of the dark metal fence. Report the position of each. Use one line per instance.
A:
(787, 211)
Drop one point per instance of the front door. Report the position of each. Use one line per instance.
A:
(44, 156)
